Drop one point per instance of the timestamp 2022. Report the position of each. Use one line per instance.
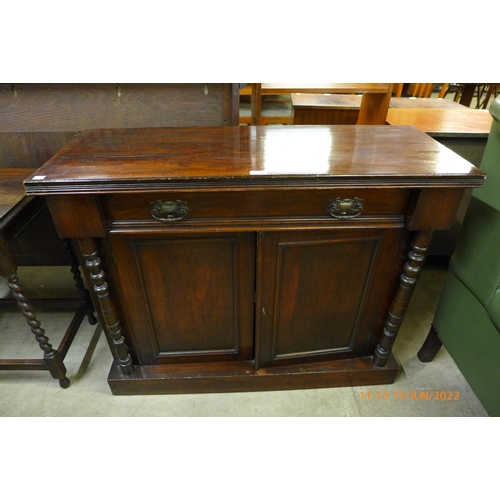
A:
(410, 395)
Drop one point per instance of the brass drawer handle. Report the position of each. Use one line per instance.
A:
(169, 211)
(345, 208)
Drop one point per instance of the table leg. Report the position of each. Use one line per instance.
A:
(83, 294)
(256, 103)
(407, 282)
(112, 325)
(374, 107)
(50, 356)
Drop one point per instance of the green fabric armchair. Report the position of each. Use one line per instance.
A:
(467, 319)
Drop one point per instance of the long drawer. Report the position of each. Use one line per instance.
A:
(179, 205)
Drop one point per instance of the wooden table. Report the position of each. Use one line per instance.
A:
(463, 130)
(252, 258)
(373, 108)
(18, 212)
(333, 109)
(424, 102)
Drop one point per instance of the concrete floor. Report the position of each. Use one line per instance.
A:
(35, 393)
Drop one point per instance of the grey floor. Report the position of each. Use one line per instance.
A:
(35, 393)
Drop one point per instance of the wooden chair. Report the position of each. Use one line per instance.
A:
(418, 89)
(465, 93)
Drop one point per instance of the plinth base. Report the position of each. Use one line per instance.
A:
(241, 377)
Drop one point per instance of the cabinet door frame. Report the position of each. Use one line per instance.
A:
(382, 243)
(135, 288)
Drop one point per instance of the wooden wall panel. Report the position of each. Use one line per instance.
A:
(76, 107)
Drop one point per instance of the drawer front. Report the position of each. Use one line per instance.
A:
(336, 203)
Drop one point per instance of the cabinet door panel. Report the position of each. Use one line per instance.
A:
(190, 297)
(319, 293)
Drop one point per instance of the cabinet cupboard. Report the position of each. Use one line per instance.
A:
(252, 258)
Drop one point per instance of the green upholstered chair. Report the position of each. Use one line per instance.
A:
(467, 319)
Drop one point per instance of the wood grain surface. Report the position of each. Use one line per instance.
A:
(122, 160)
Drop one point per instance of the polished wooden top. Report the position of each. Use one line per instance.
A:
(11, 187)
(424, 102)
(123, 160)
(444, 122)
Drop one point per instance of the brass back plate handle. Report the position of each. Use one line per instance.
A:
(169, 211)
(345, 208)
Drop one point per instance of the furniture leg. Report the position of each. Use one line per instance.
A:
(50, 356)
(83, 294)
(467, 94)
(398, 308)
(256, 103)
(430, 347)
(112, 325)
(374, 107)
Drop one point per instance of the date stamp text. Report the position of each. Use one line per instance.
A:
(410, 395)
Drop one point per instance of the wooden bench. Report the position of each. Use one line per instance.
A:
(325, 109)
(374, 102)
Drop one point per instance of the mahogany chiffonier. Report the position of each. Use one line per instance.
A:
(252, 258)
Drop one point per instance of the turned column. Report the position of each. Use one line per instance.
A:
(407, 282)
(83, 294)
(112, 325)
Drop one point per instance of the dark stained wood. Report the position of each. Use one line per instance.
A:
(435, 209)
(18, 212)
(105, 161)
(37, 243)
(282, 273)
(66, 108)
(90, 253)
(31, 149)
(397, 311)
(189, 297)
(37, 120)
(11, 188)
(430, 347)
(318, 293)
(195, 378)
(307, 202)
(86, 209)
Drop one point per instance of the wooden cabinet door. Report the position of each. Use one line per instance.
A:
(188, 297)
(319, 293)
